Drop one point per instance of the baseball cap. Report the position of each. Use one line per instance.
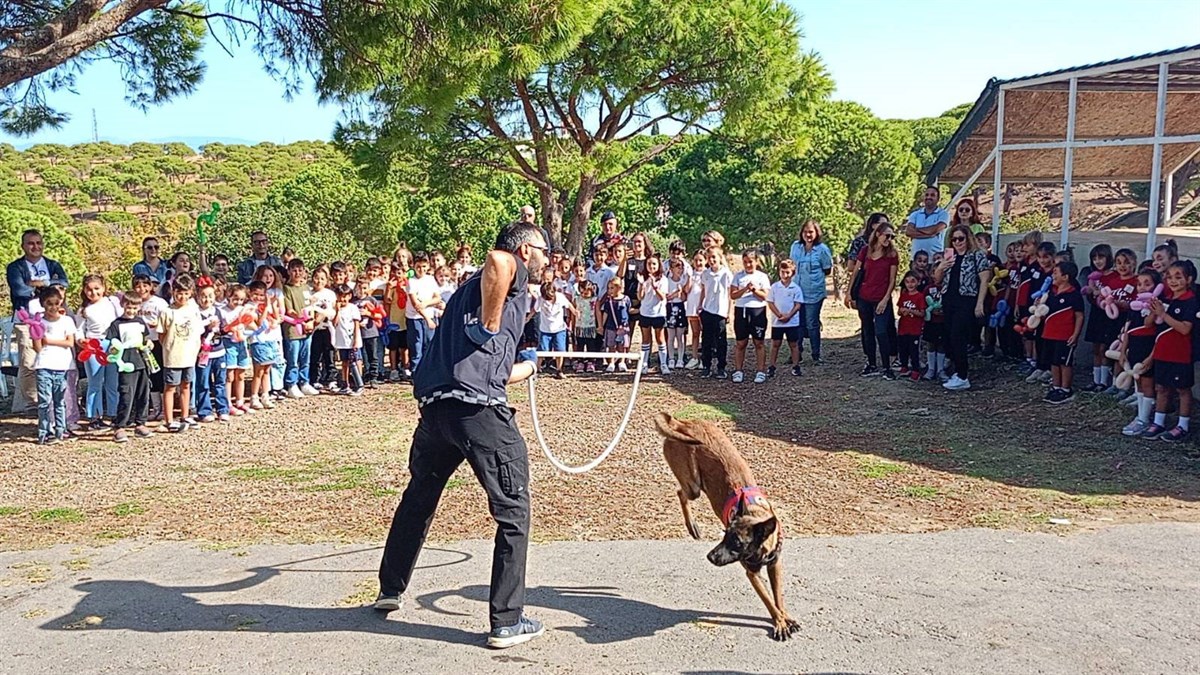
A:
(608, 215)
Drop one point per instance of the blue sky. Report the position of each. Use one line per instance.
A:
(901, 59)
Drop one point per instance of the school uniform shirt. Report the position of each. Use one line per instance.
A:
(674, 286)
(210, 319)
(785, 298)
(633, 279)
(1123, 290)
(552, 314)
(93, 321)
(1028, 273)
(53, 357)
(180, 329)
(652, 305)
(151, 308)
(692, 303)
(600, 277)
(716, 290)
(343, 327)
(133, 333)
(911, 325)
(755, 279)
(1059, 324)
(1172, 346)
(424, 289)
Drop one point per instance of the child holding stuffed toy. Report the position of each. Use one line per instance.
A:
(347, 339)
(238, 320)
(54, 358)
(933, 333)
(261, 347)
(1101, 329)
(1139, 347)
(1122, 285)
(1172, 354)
(133, 385)
(1026, 270)
(96, 311)
(1060, 331)
(1039, 275)
(372, 351)
(911, 324)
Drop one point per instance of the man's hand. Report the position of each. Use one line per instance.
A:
(528, 355)
(478, 333)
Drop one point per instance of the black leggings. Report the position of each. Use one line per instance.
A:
(320, 368)
(713, 342)
(875, 331)
(961, 324)
(909, 348)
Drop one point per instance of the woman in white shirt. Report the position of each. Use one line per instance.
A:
(749, 293)
(653, 289)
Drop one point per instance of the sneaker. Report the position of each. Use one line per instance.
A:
(256, 404)
(308, 390)
(120, 436)
(693, 364)
(208, 419)
(738, 377)
(721, 374)
(956, 383)
(1114, 392)
(558, 374)
(176, 427)
(248, 409)
(760, 377)
(1175, 435)
(621, 367)
(388, 603)
(578, 368)
(294, 392)
(1135, 428)
(665, 369)
(1051, 395)
(1046, 377)
(796, 371)
(1153, 431)
(223, 417)
(591, 367)
(355, 392)
(1126, 398)
(143, 431)
(99, 425)
(770, 371)
(706, 373)
(49, 440)
(611, 368)
(509, 636)
(868, 371)
(393, 376)
(1064, 396)
(816, 361)
(889, 375)
(1034, 376)
(929, 376)
(1094, 388)
(235, 410)
(406, 373)
(268, 404)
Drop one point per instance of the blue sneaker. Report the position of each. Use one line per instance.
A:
(509, 636)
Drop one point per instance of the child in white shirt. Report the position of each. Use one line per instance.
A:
(785, 301)
(749, 293)
(347, 339)
(55, 351)
(553, 308)
(715, 282)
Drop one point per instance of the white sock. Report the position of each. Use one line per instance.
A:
(662, 356)
(1106, 376)
(1096, 378)
(1143, 410)
(1160, 418)
(1183, 422)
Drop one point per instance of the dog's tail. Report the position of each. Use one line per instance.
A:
(672, 428)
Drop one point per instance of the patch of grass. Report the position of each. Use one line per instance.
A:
(11, 510)
(111, 535)
(365, 591)
(78, 564)
(922, 492)
(715, 412)
(38, 574)
(993, 519)
(36, 613)
(245, 622)
(60, 515)
(455, 483)
(128, 509)
(219, 545)
(873, 467)
(286, 474)
(384, 492)
(1097, 501)
(344, 478)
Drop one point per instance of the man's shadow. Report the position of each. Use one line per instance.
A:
(147, 607)
(608, 617)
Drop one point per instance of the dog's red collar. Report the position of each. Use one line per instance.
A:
(750, 494)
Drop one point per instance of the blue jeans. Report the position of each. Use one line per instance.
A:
(297, 353)
(810, 327)
(556, 342)
(101, 398)
(278, 367)
(51, 403)
(419, 337)
(210, 385)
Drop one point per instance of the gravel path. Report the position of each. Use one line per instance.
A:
(1118, 600)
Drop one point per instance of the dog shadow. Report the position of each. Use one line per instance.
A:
(608, 616)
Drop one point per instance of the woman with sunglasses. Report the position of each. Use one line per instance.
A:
(151, 265)
(879, 262)
(965, 213)
(963, 275)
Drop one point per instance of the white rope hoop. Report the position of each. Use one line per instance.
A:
(537, 425)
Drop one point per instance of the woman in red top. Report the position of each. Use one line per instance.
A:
(879, 262)
(1173, 351)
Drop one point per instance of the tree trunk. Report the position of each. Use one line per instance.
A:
(1008, 195)
(551, 216)
(1182, 177)
(581, 214)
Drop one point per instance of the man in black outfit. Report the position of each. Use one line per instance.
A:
(460, 388)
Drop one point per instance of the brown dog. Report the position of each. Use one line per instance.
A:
(704, 460)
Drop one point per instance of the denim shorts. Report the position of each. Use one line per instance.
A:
(236, 356)
(264, 353)
(173, 377)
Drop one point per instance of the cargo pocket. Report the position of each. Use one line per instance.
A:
(512, 468)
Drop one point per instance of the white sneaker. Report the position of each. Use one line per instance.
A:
(612, 367)
(956, 383)
(268, 404)
(1047, 376)
(760, 377)
(622, 367)
(295, 392)
(693, 364)
(1134, 428)
(738, 377)
(664, 368)
(256, 404)
(1035, 376)
(308, 390)
(645, 366)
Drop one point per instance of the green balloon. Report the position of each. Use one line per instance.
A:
(209, 219)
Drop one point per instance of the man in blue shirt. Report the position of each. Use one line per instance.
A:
(26, 276)
(925, 225)
(460, 387)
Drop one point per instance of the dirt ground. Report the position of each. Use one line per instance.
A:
(837, 454)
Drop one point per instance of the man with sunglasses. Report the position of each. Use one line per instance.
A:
(260, 254)
(925, 225)
(151, 265)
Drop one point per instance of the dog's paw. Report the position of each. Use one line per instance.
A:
(793, 626)
(784, 630)
(693, 530)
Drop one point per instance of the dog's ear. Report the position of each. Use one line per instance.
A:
(762, 531)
